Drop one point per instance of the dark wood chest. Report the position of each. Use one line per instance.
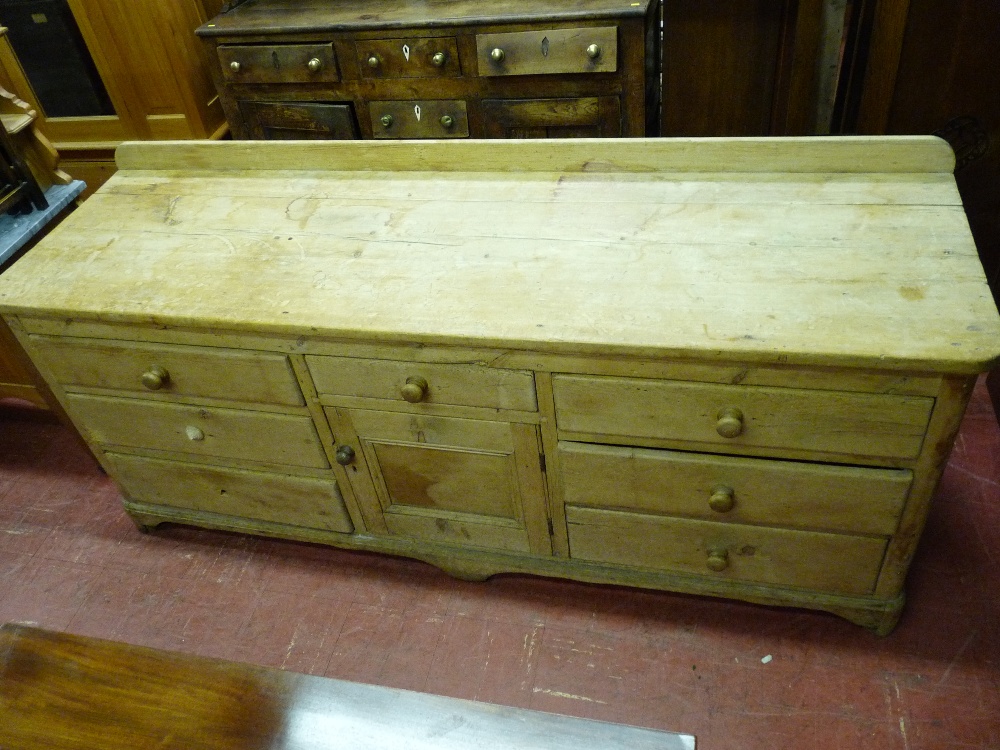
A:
(288, 69)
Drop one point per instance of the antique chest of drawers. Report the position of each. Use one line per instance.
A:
(400, 69)
(728, 367)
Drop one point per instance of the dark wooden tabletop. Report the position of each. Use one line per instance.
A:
(69, 692)
(298, 16)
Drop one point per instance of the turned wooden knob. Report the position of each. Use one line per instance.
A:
(155, 378)
(194, 433)
(447, 121)
(235, 66)
(373, 61)
(718, 559)
(345, 455)
(439, 59)
(386, 121)
(497, 55)
(722, 500)
(415, 390)
(730, 423)
(315, 65)
(594, 51)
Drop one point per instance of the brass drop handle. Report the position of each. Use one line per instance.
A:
(439, 59)
(447, 121)
(315, 65)
(386, 121)
(235, 66)
(730, 423)
(415, 390)
(718, 559)
(594, 51)
(155, 378)
(723, 499)
(194, 433)
(373, 61)
(345, 455)
(497, 55)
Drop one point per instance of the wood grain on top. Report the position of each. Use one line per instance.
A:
(864, 267)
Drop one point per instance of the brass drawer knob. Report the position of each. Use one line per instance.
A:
(373, 61)
(594, 51)
(497, 55)
(194, 433)
(439, 59)
(723, 499)
(345, 455)
(386, 121)
(718, 559)
(315, 65)
(235, 66)
(447, 121)
(155, 378)
(730, 423)
(415, 390)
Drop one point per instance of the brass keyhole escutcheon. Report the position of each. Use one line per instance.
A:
(718, 559)
(723, 499)
(730, 423)
(415, 390)
(155, 378)
(345, 455)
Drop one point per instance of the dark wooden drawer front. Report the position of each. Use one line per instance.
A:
(578, 117)
(419, 119)
(548, 51)
(409, 58)
(281, 63)
(295, 121)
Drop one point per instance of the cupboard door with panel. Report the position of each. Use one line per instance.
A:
(469, 482)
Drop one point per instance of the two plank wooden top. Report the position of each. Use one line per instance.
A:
(817, 251)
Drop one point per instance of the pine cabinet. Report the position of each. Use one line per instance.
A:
(547, 363)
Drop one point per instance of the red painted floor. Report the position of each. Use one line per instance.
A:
(71, 560)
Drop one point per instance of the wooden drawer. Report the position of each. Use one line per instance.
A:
(436, 57)
(834, 563)
(548, 51)
(719, 416)
(576, 117)
(740, 490)
(262, 437)
(419, 119)
(298, 121)
(278, 63)
(259, 377)
(262, 496)
(456, 384)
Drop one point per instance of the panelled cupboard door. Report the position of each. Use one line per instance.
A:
(468, 482)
